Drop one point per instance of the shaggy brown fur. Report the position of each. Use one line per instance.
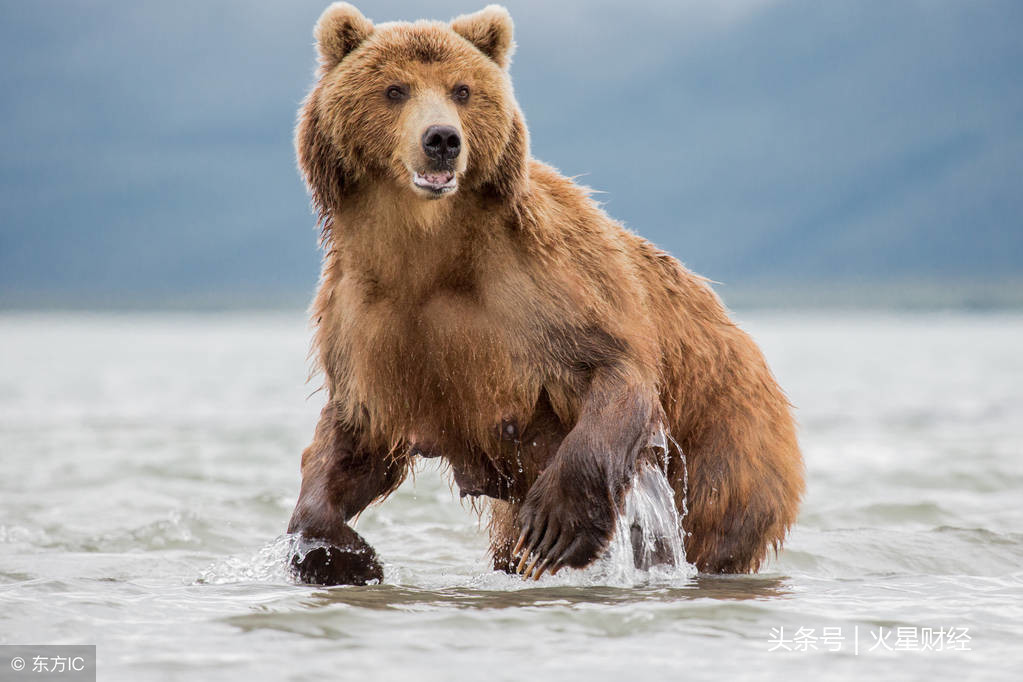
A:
(509, 326)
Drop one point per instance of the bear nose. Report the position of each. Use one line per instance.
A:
(442, 143)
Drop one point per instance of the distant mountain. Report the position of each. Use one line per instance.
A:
(147, 154)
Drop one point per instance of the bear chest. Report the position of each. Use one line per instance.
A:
(447, 360)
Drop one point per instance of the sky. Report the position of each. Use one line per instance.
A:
(146, 147)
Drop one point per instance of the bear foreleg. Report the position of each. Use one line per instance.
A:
(569, 514)
(339, 480)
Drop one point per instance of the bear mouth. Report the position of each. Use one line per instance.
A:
(436, 182)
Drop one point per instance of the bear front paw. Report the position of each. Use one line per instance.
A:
(318, 562)
(563, 525)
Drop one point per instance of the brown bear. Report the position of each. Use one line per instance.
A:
(476, 305)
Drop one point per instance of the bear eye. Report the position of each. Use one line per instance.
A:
(461, 93)
(396, 93)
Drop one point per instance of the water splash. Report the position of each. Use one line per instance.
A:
(270, 564)
(685, 473)
(648, 542)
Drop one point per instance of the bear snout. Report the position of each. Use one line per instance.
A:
(442, 144)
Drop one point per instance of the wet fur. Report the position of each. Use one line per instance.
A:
(512, 328)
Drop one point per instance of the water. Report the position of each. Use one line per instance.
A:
(148, 462)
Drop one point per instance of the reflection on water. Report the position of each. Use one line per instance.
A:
(148, 466)
(700, 587)
(318, 610)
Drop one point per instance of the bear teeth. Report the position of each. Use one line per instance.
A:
(436, 181)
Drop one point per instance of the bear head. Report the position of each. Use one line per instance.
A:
(425, 108)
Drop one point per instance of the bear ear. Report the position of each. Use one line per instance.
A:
(490, 30)
(341, 29)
